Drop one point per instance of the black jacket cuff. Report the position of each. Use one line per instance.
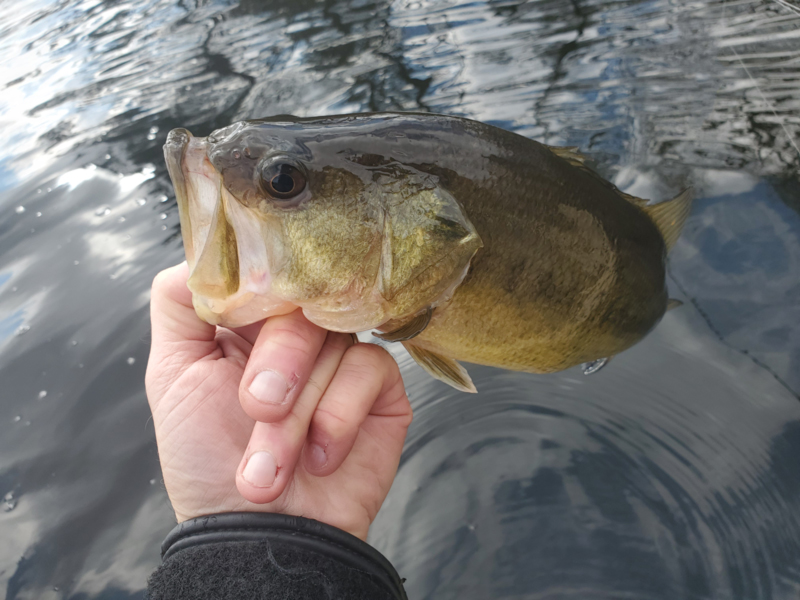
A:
(263, 555)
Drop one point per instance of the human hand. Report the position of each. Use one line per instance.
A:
(328, 452)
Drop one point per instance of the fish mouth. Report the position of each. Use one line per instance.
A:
(208, 238)
(229, 270)
(174, 151)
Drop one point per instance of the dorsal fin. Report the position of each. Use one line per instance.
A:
(670, 216)
(576, 159)
(569, 154)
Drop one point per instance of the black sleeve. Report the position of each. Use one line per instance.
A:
(269, 556)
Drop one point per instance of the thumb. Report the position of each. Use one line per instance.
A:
(179, 337)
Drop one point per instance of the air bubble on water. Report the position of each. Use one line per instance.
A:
(131, 360)
(38, 213)
(103, 211)
(19, 210)
(73, 343)
(42, 394)
(187, 88)
(152, 482)
(162, 216)
(141, 201)
(23, 329)
(151, 135)
(9, 502)
(122, 219)
(48, 190)
(39, 191)
(163, 198)
(17, 419)
(163, 228)
(108, 157)
(76, 262)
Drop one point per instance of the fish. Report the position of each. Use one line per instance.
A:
(460, 240)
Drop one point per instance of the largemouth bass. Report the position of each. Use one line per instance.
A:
(462, 241)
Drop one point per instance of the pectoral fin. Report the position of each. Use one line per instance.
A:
(408, 330)
(442, 368)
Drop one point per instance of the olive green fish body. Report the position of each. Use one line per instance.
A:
(486, 246)
(570, 271)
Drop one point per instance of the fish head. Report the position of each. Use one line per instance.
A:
(281, 213)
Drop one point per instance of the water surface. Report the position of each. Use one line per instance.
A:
(672, 473)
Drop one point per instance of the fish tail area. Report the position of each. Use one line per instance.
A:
(442, 368)
(671, 215)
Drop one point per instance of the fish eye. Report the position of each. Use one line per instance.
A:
(282, 181)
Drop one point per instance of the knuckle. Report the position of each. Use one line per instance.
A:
(331, 425)
(341, 341)
(366, 356)
(368, 363)
(293, 339)
(163, 278)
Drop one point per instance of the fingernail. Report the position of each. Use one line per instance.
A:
(260, 469)
(317, 456)
(269, 387)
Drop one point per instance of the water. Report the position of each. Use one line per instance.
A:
(672, 473)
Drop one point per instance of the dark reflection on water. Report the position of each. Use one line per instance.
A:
(673, 473)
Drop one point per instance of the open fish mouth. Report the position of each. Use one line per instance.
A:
(229, 271)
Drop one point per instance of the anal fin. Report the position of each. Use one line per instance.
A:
(407, 330)
(673, 303)
(590, 368)
(442, 368)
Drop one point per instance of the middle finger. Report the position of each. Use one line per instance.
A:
(274, 448)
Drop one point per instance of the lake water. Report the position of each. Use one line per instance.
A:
(674, 473)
